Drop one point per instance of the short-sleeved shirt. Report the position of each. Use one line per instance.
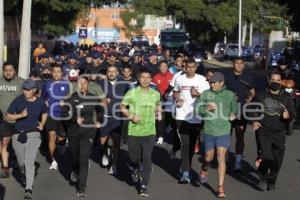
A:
(53, 92)
(35, 109)
(142, 104)
(9, 90)
(183, 85)
(240, 85)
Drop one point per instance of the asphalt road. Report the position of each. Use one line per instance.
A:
(55, 185)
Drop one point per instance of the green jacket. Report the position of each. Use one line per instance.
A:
(216, 123)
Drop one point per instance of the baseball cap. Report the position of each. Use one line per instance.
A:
(29, 84)
(217, 77)
(153, 53)
(72, 55)
(96, 55)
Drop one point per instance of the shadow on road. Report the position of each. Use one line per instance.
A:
(2, 192)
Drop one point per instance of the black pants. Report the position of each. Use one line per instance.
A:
(188, 135)
(113, 143)
(239, 126)
(272, 144)
(80, 148)
(169, 120)
(140, 152)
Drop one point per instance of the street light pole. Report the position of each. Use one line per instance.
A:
(240, 28)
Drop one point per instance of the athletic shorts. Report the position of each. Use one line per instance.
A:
(55, 125)
(6, 129)
(211, 142)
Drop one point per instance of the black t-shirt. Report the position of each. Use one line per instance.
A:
(91, 69)
(153, 68)
(240, 85)
(35, 109)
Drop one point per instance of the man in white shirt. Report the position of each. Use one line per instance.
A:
(187, 88)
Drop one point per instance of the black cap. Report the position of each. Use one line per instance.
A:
(29, 84)
(217, 77)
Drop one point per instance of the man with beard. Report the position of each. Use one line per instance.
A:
(114, 90)
(277, 110)
(10, 88)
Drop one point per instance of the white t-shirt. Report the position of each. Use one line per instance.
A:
(183, 85)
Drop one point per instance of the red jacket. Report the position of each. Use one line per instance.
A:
(162, 81)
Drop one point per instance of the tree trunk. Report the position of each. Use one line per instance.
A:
(1, 36)
(245, 26)
(25, 42)
(251, 34)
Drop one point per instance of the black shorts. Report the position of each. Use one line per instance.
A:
(55, 125)
(6, 129)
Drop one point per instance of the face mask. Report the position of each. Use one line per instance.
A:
(274, 86)
(46, 76)
(289, 90)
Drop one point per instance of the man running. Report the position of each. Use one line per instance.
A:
(144, 107)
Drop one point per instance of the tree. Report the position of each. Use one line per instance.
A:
(207, 20)
(57, 17)
(133, 22)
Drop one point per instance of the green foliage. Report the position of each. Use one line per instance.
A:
(56, 17)
(133, 22)
(206, 19)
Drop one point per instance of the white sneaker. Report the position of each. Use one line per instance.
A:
(112, 170)
(74, 177)
(105, 160)
(53, 165)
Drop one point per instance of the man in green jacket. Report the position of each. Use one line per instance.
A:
(217, 106)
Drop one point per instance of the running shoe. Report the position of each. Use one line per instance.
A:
(203, 176)
(28, 194)
(54, 165)
(4, 172)
(81, 193)
(74, 177)
(112, 170)
(135, 175)
(185, 179)
(144, 191)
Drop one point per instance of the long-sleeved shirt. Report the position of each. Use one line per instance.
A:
(216, 122)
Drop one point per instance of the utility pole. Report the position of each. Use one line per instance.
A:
(1, 35)
(240, 28)
(25, 42)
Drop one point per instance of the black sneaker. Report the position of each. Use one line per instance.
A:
(28, 194)
(135, 175)
(262, 185)
(81, 193)
(144, 191)
(5, 173)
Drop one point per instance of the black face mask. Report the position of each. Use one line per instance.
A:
(274, 86)
(47, 76)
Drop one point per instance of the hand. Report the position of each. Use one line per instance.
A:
(40, 126)
(62, 103)
(179, 103)
(285, 114)
(97, 125)
(47, 103)
(211, 106)
(256, 125)
(136, 119)
(160, 140)
(158, 116)
(232, 117)
(24, 113)
(93, 77)
(194, 92)
(80, 120)
(106, 101)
